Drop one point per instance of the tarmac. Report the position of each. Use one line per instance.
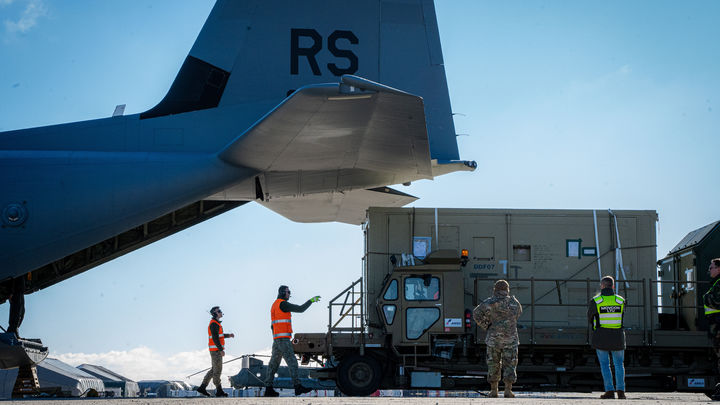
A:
(635, 398)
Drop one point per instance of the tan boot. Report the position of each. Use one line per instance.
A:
(493, 389)
(508, 390)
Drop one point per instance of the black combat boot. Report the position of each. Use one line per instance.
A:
(299, 389)
(201, 389)
(608, 395)
(219, 392)
(270, 392)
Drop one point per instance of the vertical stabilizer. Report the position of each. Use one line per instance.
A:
(256, 52)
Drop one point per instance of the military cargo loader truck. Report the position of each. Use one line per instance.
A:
(407, 322)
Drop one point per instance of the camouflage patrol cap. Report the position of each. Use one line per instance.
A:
(501, 285)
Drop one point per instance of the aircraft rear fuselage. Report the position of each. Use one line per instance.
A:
(277, 101)
(95, 179)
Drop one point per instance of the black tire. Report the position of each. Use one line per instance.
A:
(358, 376)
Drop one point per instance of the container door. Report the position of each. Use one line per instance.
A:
(687, 276)
(666, 287)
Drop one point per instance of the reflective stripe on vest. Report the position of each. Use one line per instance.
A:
(708, 310)
(281, 321)
(610, 310)
(211, 344)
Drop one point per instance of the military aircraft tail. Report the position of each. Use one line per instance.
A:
(308, 107)
(255, 54)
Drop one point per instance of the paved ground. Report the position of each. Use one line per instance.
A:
(634, 398)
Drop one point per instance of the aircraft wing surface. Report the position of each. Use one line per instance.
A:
(342, 128)
(348, 207)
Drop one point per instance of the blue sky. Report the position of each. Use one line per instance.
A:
(566, 104)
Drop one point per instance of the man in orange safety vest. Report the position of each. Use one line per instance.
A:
(281, 325)
(216, 345)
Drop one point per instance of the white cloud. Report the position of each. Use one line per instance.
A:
(142, 363)
(29, 18)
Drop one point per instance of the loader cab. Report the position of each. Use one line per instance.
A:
(422, 301)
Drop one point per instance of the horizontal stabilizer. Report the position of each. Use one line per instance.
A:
(449, 166)
(333, 127)
(348, 207)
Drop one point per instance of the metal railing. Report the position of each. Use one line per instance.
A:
(648, 290)
(349, 308)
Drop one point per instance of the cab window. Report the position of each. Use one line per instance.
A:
(422, 289)
(389, 312)
(419, 320)
(391, 293)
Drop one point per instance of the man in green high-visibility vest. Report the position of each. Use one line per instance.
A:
(711, 303)
(605, 313)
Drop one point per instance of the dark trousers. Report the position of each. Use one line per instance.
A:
(714, 330)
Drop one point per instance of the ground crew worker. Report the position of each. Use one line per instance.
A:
(281, 326)
(711, 302)
(17, 305)
(605, 313)
(216, 344)
(498, 315)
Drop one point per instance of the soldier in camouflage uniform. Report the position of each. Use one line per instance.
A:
(498, 315)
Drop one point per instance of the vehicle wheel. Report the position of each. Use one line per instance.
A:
(358, 376)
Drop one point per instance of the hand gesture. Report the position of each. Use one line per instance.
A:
(315, 298)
